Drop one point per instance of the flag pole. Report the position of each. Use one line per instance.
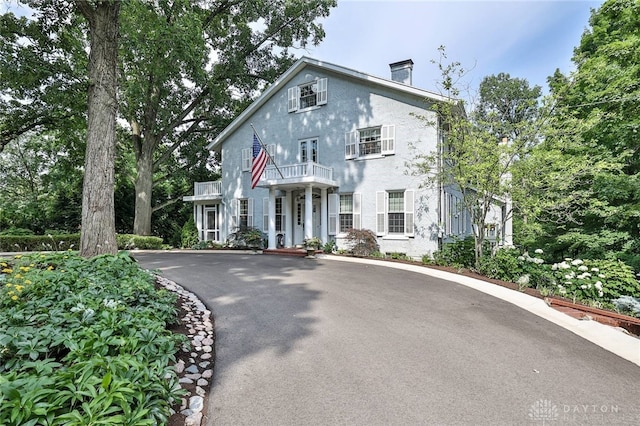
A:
(266, 150)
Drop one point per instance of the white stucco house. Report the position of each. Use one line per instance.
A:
(340, 140)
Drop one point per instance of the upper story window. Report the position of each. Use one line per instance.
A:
(309, 151)
(247, 157)
(307, 95)
(371, 141)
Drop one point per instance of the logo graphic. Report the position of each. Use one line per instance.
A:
(543, 411)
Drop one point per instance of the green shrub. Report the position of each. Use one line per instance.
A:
(142, 242)
(459, 253)
(189, 236)
(17, 231)
(598, 280)
(39, 242)
(330, 247)
(362, 242)
(84, 341)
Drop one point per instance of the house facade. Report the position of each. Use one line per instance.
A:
(339, 142)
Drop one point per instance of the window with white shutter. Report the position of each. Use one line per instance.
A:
(293, 97)
(350, 145)
(247, 158)
(334, 200)
(357, 207)
(388, 139)
(409, 212)
(321, 95)
(307, 95)
(265, 214)
(381, 210)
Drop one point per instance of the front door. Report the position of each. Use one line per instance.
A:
(299, 225)
(211, 226)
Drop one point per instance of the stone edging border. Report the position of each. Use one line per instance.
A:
(200, 368)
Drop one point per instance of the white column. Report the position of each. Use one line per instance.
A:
(308, 212)
(272, 218)
(324, 216)
(199, 223)
(288, 225)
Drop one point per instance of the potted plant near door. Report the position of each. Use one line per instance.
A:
(311, 245)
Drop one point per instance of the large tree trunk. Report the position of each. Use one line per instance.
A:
(144, 188)
(98, 235)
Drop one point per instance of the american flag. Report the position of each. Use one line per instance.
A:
(259, 161)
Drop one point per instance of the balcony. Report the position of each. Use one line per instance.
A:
(203, 191)
(296, 175)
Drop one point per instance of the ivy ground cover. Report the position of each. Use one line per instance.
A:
(84, 341)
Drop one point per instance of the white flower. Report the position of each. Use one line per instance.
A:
(523, 280)
(110, 303)
(554, 267)
(563, 265)
(601, 276)
(600, 293)
(571, 275)
(538, 251)
(598, 285)
(521, 258)
(583, 268)
(577, 262)
(538, 261)
(595, 270)
(584, 287)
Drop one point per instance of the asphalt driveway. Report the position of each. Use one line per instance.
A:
(323, 342)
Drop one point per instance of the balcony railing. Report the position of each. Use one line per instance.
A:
(293, 171)
(208, 188)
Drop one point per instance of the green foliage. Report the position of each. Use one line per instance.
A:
(398, 256)
(17, 231)
(599, 280)
(246, 237)
(330, 247)
(189, 234)
(458, 253)
(12, 243)
(362, 242)
(130, 242)
(84, 342)
(508, 264)
(628, 305)
(585, 200)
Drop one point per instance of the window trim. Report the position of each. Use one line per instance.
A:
(382, 212)
(294, 93)
(387, 142)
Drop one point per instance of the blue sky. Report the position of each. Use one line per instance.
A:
(527, 39)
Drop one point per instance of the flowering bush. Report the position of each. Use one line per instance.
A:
(599, 280)
(509, 265)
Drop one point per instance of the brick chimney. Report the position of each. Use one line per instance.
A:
(401, 71)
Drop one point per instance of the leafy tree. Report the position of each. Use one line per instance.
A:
(187, 68)
(478, 149)
(596, 112)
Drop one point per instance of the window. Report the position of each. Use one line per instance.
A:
(247, 157)
(309, 151)
(344, 212)
(280, 216)
(395, 212)
(307, 95)
(243, 215)
(455, 218)
(371, 141)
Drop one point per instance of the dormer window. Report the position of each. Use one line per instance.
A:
(307, 95)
